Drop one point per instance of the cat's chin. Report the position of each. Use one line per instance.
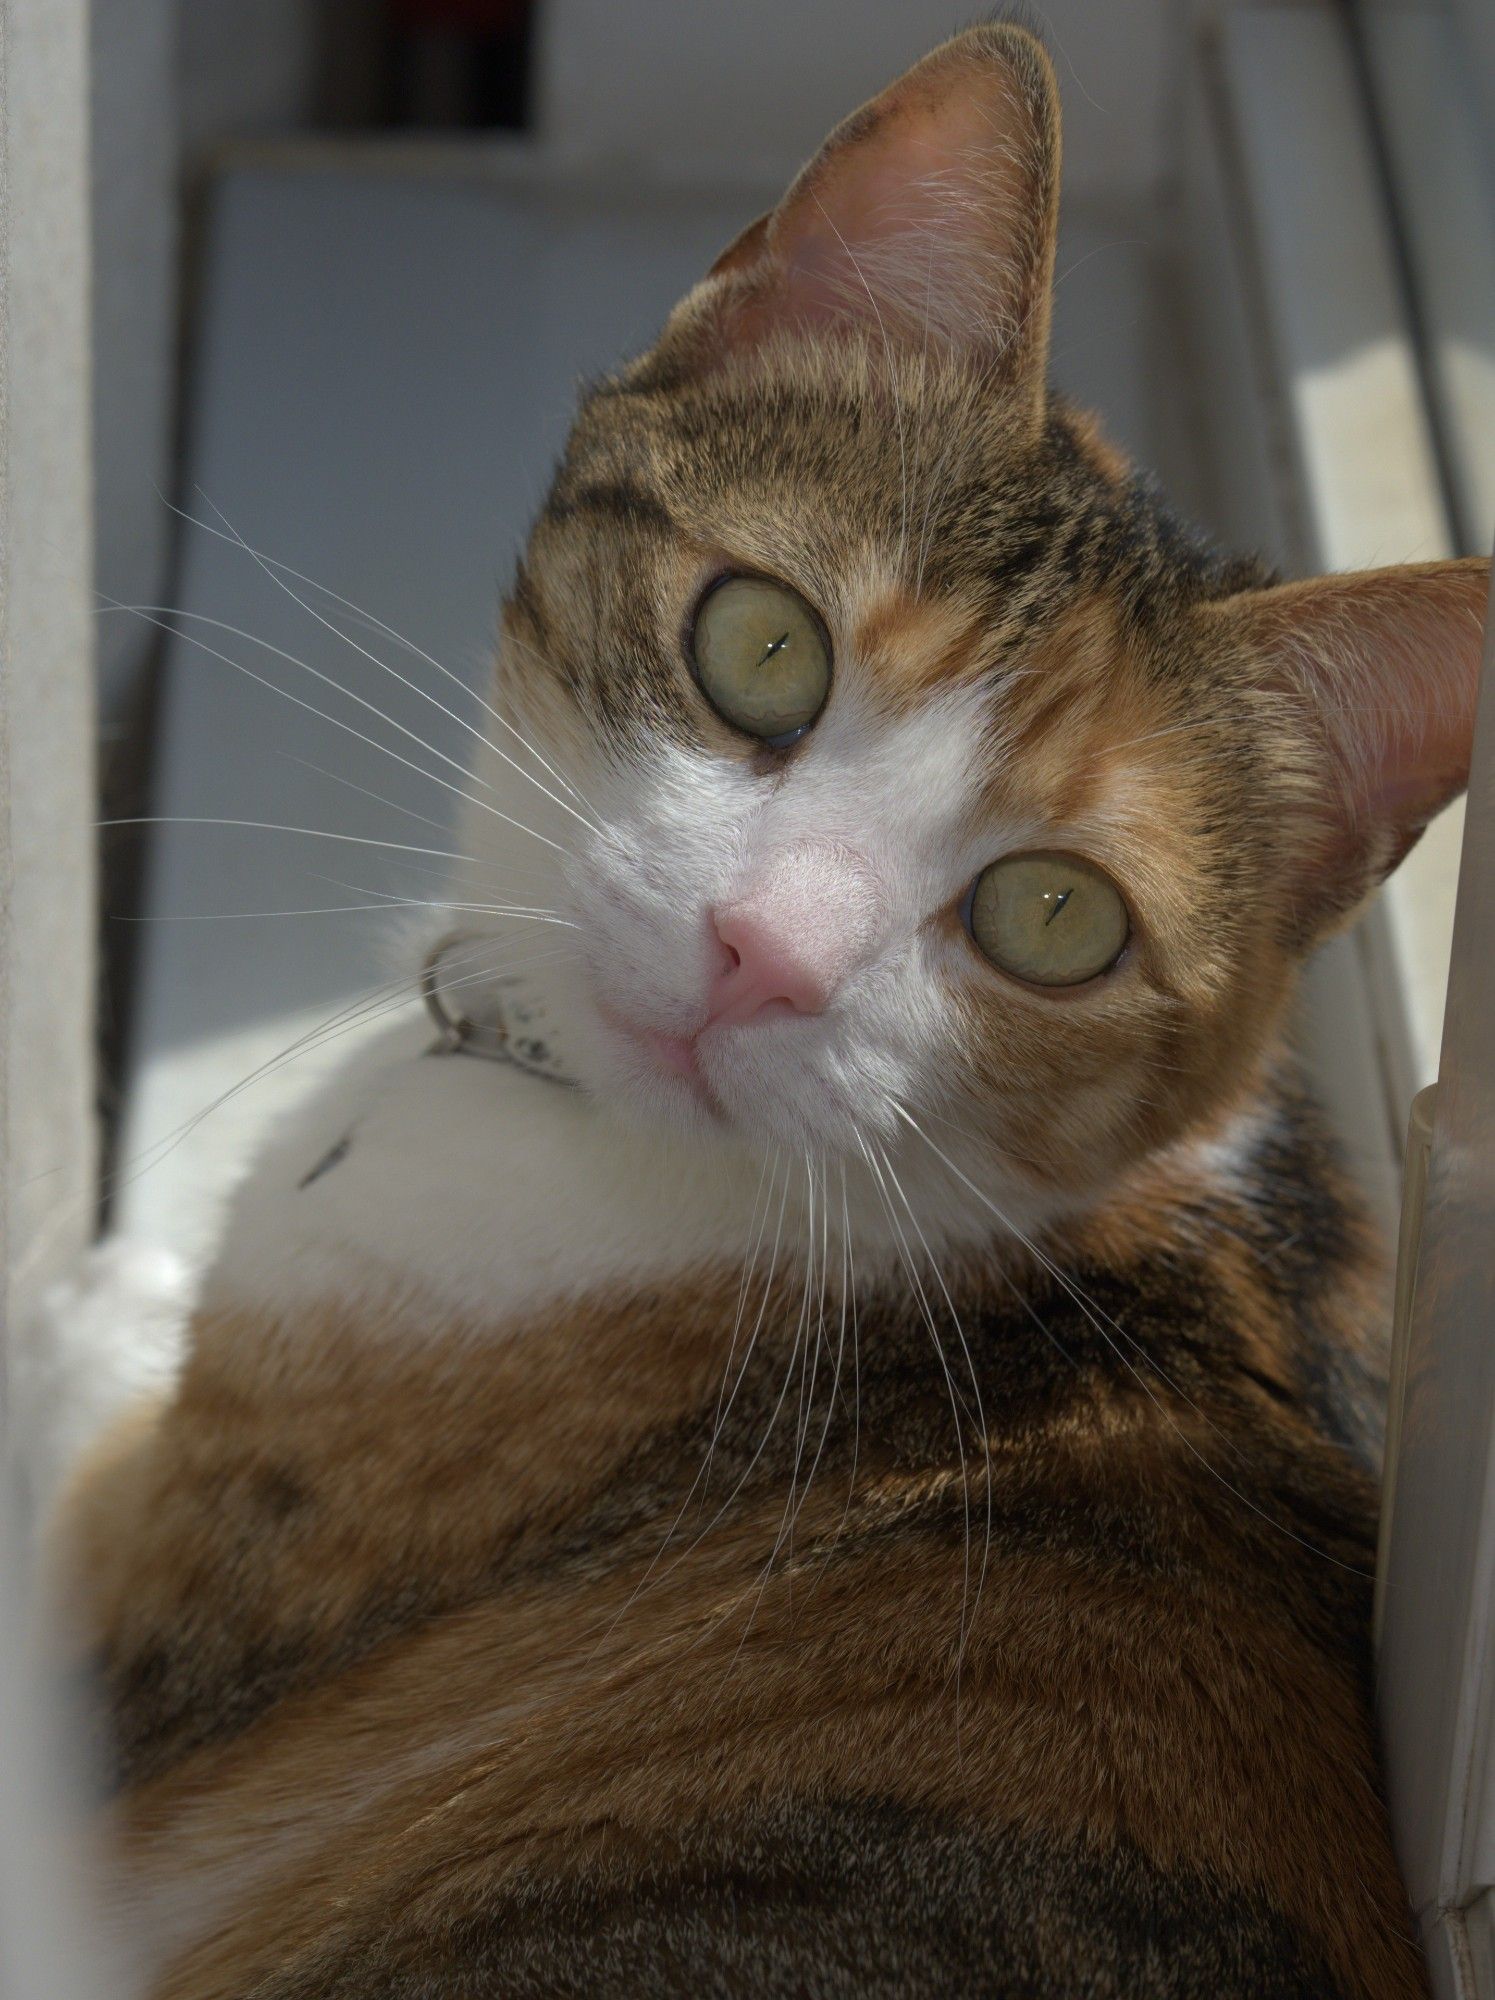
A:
(648, 1077)
(744, 1087)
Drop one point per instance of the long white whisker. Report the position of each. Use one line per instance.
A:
(367, 791)
(807, 1385)
(702, 1479)
(1088, 1306)
(276, 826)
(148, 616)
(810, 1373)
(834, 1390)
(960, 1335)
(869, 1154)
(510, 868)
(762, 1444)
(856, 1353)
(270, 569)
(236, 540)
(1125, 1359)
(763, 1199)
(447, 903)
(382, 905)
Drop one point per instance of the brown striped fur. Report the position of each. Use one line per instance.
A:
(449, 1659)
(518, 1681)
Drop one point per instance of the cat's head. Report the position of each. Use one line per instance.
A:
(923, 767)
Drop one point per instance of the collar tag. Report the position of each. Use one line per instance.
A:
(507, 1026)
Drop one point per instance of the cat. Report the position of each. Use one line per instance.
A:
(843, 1462)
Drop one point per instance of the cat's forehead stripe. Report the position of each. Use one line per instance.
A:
(909, 646)
(617, 498)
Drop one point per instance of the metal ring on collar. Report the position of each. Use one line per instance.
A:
(458, 1032)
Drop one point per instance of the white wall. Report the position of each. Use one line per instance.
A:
(750, 90)
(171, 79)
(242, 68)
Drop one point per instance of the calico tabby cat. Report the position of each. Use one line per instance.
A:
(848, 1468)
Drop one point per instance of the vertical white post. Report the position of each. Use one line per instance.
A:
(46, 626)
(1437, 1660)
(47, 811)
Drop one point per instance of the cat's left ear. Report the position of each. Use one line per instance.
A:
(1377, 675)
(927, 218)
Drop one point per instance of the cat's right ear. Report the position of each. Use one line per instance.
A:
(927, 218)
(1371, 682)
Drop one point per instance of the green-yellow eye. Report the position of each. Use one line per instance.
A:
(761, 657)
(1051, 919)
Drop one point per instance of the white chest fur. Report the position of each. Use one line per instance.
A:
(477, 1186)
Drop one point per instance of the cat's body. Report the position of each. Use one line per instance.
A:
(873, 1491)
(435, 1667)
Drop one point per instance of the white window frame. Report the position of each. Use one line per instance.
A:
(1437, 1653)
(48, 1163)
(47, 1144)
(1294, 261)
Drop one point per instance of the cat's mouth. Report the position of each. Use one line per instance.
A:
(672, 1058)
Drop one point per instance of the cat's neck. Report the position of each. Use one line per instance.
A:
(481, 1190)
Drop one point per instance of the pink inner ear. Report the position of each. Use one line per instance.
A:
(1393, 661)
(927, 218)
(1387, 664)
(905, 225)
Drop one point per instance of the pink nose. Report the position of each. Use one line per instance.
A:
(791, 935)
(760, 973)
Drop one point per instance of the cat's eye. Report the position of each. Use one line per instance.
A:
(762, 658)
(1049, 919)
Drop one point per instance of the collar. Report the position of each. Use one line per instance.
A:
(497, 1019)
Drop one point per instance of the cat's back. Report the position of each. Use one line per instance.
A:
(765, 1629)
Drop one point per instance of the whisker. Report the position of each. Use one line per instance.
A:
(148, 615)
(277, 571)
(448, 903)
(367, 791)
(510, 868)
(278, 826)
(702, 1479)
(383, 906)
(723, 1412)
(1144, 1384)
(1088, 1306)
(807, 1376)
(869, 1154)
(832, 1392)
(960, 1335)
(762, 1445)
(806, 1382)
(849, 1305)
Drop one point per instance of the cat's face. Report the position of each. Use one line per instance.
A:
(944, 891)
(924, 772)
